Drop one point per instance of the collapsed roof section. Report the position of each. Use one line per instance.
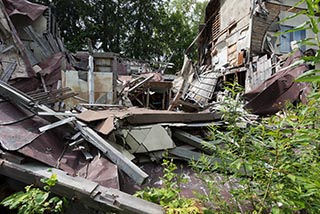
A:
(32, 58)
(38, 75)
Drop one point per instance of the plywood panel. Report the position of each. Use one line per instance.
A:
(103, 90)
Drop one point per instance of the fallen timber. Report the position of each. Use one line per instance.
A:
(88, 192)
(19, 98)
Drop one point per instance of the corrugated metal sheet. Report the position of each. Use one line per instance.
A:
(275, 92)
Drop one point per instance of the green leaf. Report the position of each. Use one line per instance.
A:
(308, 42)
(310, 7)
(298, 3)
(292, 177)
(310, 72)
(309, 79)
(41, 197)
(18, 200)
(11, 199)
(314, 25)
(275, 210)
(237, 164)
(303, 26)
(302, 12)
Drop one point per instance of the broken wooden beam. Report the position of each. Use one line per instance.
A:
(65, 114)
(185, 154)
(80, 189)
(56, 124)
(191, 140)
(7, 73)
(113, 154)
(141, 83)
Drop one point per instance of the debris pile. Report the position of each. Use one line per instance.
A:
(242, 45)
(91, 115)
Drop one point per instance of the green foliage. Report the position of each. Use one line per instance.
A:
(272, 166)
(169, 195)
(35, 200)
(152, 30)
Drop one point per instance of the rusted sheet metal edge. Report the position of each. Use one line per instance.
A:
(91, 136)
(76, 188)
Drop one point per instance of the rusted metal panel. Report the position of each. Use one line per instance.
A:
(10, 114)
(26, 8)
(272, 95)
(15, 136)
(102, 171)
(48, 148)
(147, 116)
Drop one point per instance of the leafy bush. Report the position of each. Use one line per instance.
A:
(169, 195)
(271, 166)
(35, 200)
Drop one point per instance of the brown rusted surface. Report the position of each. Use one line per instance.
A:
(102, 171)
(22, 7)
(50, 149)
(51, 69)
(10, 114)
(15, 136)
(19, 132)
(147, 116)
(275, 92)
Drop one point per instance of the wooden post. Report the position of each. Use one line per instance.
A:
(148, 97)
(91, 74)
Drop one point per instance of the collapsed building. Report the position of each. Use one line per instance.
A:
(241, 41)
(76, 113)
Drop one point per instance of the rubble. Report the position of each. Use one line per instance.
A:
(240, 44)
(79, 115)
(275, 92)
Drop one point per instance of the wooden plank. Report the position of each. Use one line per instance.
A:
(56, 124)
(46, 51)
(6, 75)
(91, 80)
(185, 154)
(56, 114)
(141, 83)
(88, 192)
(113, 154)
(191, 140)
